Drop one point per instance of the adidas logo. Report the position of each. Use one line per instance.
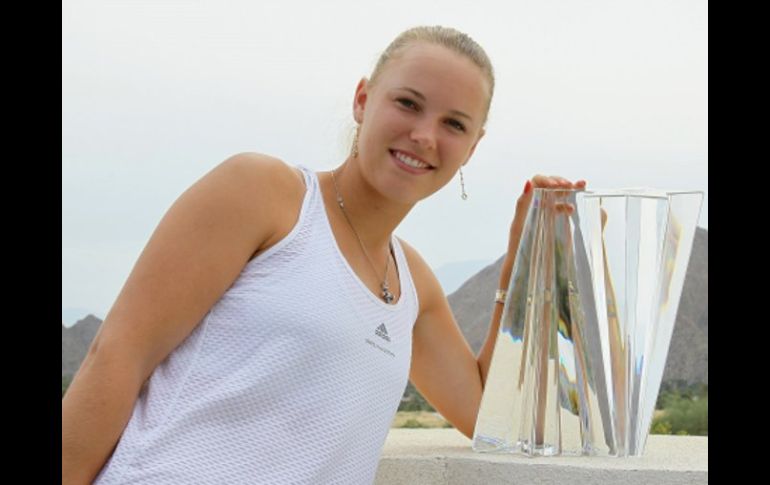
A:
(382, 332)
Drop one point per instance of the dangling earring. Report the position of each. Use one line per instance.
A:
(462, 182)
(355, 144)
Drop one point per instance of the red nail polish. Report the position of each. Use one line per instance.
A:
(528, 187)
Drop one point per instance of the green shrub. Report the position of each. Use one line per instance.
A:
(683, 415)
(690, 416)
(660, 426)
(674, 389)
(412, 423)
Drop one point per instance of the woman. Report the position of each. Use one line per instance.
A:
(268, 329)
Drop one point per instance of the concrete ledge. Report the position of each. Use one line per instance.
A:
(444, 456)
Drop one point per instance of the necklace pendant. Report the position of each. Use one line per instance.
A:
(386, 294)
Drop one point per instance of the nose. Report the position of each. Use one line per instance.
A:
(424, 135)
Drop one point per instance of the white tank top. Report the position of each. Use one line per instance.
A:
(293, 376)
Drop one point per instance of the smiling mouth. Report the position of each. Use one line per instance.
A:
(406, 160)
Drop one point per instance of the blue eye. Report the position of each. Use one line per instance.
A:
(409, 103)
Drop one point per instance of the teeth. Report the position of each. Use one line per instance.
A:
(411, 162)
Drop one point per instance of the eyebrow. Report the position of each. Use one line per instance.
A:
(422, 97)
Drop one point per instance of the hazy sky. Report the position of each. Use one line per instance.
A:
(156, 93)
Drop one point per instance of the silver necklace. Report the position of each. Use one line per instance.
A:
(386, 294)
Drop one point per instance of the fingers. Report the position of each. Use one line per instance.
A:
(555, 182)
(552, 182)
(565, 208)
(544, 182)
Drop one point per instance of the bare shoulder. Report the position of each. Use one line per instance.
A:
(429, 290)
(273, 190)
(264, 161)
(265, 168)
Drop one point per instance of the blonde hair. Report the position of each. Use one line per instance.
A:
(448, 37)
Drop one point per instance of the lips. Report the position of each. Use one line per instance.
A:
(408, 168)
(412, 156)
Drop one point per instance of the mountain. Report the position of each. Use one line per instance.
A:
(472, 307)
(688, 356)
(687, 360)
(75, 342)
(70, 315)
(453, 275)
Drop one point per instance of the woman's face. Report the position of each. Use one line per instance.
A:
(429, 103)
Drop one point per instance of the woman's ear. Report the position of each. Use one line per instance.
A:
(359, 100)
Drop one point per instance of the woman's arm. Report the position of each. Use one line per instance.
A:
(443, 366)
(196, 252)
(485, 354)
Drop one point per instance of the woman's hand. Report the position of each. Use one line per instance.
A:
(525, 199)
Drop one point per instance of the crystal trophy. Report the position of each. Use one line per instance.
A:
(588, 318)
